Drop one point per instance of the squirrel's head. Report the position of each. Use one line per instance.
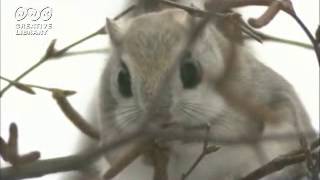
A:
(144, 50)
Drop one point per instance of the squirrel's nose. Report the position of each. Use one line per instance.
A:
(158, 108)
(161, 117)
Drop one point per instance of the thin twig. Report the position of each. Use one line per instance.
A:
(205, 151)
(267, 37)
(61, 98)
(318, 35)
(309, 34)
(28, 88)
(91, 51)
(20, 86)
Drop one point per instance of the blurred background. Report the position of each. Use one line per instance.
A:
(43, 127)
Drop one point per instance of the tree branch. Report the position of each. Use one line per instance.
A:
(28, 88)
(205, 151)
(281, 162)
(76, 162)
(63, 164)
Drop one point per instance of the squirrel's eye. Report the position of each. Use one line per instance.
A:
(190, 74)
(124, 81)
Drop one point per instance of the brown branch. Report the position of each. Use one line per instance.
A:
(310, 36)
(139, 147)
(45, 167)
(281, 162)
(313, 164)
(10, 152)
(192, 135)
(73, 115)
(251, 34)
(160, 159)
(63, 164)
(76, 162)
(51, 52)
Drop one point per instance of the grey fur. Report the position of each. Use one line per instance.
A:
(230, 88)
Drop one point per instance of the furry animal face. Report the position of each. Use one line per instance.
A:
(143, 54)
(235, 95)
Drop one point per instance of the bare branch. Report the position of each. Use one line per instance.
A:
(310, 36)
(279, 163)
(61, 98)
(63, 164)
(160, 158)
(267, 37)
(127, 158)
(318, 35)
(28, 88)
(76, 162)
(20, 86)
(205, 151)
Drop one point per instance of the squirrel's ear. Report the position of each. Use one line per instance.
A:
(114, 31)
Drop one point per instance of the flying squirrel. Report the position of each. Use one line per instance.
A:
(216, 82)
